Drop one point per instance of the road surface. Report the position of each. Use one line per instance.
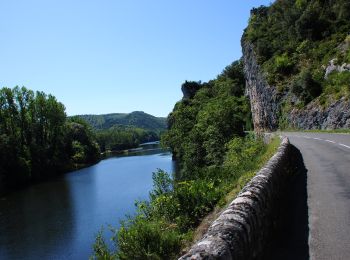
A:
(327, 160)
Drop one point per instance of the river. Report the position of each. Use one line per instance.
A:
(60, 218)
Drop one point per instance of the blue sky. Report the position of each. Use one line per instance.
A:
(107, 56)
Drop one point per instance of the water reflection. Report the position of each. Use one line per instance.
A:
(33, 220)
(59, 219)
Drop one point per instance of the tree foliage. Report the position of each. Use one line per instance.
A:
(295, 39)
(136, 119)
(203, 122)
(124, 137)
(36, 139)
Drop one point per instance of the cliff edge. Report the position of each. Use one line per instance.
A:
(296, 57)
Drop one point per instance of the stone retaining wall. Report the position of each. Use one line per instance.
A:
(243, 229)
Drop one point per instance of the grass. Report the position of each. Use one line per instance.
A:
(270, 150)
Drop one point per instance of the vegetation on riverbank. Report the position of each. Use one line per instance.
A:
(118, 132)
(166, 224)
(37, 140)
(216, 158)
(120, 138)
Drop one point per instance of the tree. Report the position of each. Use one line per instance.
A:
(35, 137)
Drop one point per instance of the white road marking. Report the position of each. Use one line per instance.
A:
(344, 145)
(326, 140)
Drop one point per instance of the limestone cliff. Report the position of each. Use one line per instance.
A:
(296, 58)
(264, 100)
(315, 116)
(266, 103)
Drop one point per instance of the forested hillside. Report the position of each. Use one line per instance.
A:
(37, 141)
(136, 119)
(302, 49)
(119, 138)
(117, 132)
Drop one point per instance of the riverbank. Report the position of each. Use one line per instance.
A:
(64, 214)
(142, 149)
(166, 224)
(20, 186)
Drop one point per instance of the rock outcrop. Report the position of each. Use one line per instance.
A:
(332, 66)
(264, 100)
(314, 116)
(189, 89)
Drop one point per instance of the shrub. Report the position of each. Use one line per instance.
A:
(101, 249)
(241, 151)
(305, 87)
(140, 238)
(300, 3)
(195, 199)
(338, 83)
(283, 64)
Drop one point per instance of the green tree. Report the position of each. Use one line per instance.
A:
(35, 141)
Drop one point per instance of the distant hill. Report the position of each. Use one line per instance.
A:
(137, 119)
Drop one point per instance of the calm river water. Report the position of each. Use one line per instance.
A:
(59, 219)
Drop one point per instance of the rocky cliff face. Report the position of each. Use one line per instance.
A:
(314, 116)
(266, 103)
(263, 98)
(334, 67)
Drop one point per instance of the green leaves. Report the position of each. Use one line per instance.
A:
(200, 126)
(36, 140)
(300, 4)
(305, 87)
(243, 152)
(140, 238)
(162, 184)
(283, 64)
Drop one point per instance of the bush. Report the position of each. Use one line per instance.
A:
(283, 64)
(140, 238)
(241, 151)
(338, 83)
(305, 87)
(195, 199)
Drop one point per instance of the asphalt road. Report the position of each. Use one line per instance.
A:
(327, 161)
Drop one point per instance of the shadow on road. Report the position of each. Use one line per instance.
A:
(290, 235)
